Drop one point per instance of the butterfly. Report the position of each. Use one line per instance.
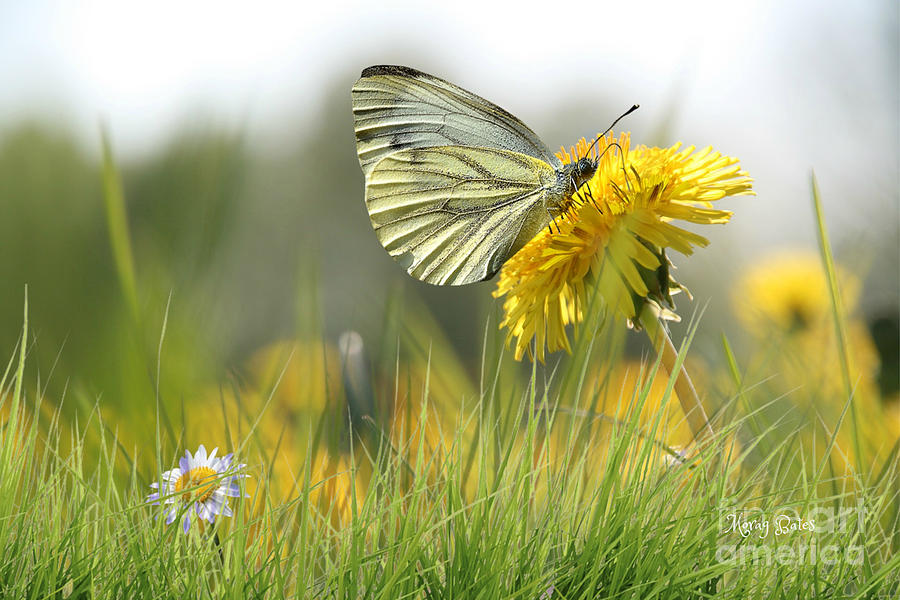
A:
(455, 185)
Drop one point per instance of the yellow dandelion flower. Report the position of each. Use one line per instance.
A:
(783, 299)
(613, 238)
(788, 290)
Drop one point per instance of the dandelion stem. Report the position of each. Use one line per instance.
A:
(684, 388)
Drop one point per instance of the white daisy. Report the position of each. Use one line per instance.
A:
(208, 481)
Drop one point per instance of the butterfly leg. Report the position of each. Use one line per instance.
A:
(587, 193)
(550, 213)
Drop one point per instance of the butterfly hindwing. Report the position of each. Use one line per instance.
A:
(453, 215)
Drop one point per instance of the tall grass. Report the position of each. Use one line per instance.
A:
(522, 497)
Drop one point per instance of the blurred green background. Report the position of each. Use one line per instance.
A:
(232, 134)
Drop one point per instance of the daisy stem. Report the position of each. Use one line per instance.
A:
(684, 387)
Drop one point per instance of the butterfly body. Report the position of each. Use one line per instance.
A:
(572, 176)
(455, 185)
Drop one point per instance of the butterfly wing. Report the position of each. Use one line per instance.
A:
(453, 215)
(398, 108)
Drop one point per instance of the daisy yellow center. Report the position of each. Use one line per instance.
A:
(201, 481)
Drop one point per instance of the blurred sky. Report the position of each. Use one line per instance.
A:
(785, 86)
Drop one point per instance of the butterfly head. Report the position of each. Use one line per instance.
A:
(582, 171)
(574, 175)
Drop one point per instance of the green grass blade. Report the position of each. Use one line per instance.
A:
(117, 227)
(838, 315)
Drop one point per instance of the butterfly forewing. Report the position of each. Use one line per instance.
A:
(453, 214)
(398, 108)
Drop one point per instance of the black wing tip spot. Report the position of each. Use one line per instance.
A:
(391, 70)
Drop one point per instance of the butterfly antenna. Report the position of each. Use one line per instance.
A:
(633, 108)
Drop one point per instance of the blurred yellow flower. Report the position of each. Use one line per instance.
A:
(334, 487)
(273, 406)
(614, 397)
(304, 371)
(614, 235)
(892, 412)
(576, 436)
(788, 290)
(784, 301)
(440, 435)
(411, 431)
(627, 383)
